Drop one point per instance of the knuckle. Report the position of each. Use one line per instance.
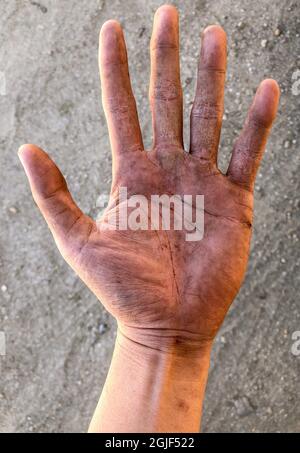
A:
(207, 110)
(119, 107)
(259, 123)
(248, 151)
(166, 90)
(162, 48)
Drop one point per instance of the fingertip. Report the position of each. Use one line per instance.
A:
(167, 10)
(165, 33)
(112, 47)
(213, 48)
(35, 161)
(270, 87)
(166, 20)
(111, 26)
(26, 151)
(26, 147)
(215, 31)
(266, 101)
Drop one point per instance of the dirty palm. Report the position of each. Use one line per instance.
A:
(162, 289)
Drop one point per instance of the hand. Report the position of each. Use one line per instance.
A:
(164, 291)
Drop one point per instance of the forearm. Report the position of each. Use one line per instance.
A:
(152, 390)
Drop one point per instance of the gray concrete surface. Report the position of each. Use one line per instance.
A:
(58, 337)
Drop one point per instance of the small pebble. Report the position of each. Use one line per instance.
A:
(102, 328)
(243, 406)
(277, 32)
(264, 43)
(13, 209)
(4, 288)
(287, 144)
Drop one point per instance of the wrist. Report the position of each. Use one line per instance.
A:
(164, 342)
(170, 378)
(153, 386)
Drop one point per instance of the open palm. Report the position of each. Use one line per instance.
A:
(160, 287)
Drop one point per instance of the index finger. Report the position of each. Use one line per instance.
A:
(117, 97)
(249, 147)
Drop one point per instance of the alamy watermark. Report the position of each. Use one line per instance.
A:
(295, 349)
(2, 344)
(2, 84)
(296, 83)
(160, 212)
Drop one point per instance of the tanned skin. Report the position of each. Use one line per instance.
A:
(169, 296)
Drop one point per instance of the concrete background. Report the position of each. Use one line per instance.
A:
(58, 337)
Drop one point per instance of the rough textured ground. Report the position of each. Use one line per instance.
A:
(59, 338)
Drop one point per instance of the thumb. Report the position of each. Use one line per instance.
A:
(69, 226)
